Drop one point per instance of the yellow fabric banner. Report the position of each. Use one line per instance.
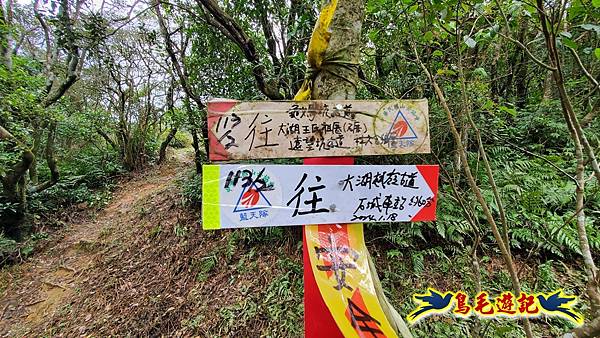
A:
(317, 47)
(339, 258)
(340, 263)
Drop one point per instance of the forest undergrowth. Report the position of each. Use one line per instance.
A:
(142, 265)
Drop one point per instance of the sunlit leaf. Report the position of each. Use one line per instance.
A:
(470, 42)
(428, 36)
(569, 43)
(591, 27)
(480, 72)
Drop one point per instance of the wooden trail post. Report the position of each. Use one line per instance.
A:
(333, 54)
(341, 286)
(342, 293)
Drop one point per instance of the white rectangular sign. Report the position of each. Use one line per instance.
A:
(241, 196)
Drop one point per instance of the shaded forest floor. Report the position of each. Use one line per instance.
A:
(142, 266)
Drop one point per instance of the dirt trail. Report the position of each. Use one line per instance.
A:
(40, 288)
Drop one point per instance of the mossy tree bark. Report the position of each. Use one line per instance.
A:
(336, 80)
(15, 179)
(14, 188)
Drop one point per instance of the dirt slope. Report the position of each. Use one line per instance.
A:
(44, 283)
(142, 267)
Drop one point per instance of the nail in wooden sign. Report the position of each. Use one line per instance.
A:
(278, 129)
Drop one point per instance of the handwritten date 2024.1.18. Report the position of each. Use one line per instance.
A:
(239, 196)
(278, 129)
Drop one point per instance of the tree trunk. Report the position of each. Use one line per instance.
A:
(5, 35)
(515, 62)
(522, 67)
(339, 83)
(197, 151)
(107, 139)
(170, 104)
(494, 71)
(591, 329)
(163, 146)
(49, 154)
(195, 139)
(14, 190)
(179, 67)
(37, 143)
(475, 188)
(548, 88)
(567, 108)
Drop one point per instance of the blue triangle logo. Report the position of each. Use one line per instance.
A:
(240, 208)
(408, 135)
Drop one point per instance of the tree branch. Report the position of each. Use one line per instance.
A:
(377, 91)
(269, 35)
(73, 61)
(243, 41)
(49, 154)
(10, 180)
(472, 184)
(515, 41)
(589, 117)
(107, 138)
(589, 76)
(171, 52)
(5, 35)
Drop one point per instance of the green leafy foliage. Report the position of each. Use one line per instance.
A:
(191, 189)
(114, 117)
(8, 248)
